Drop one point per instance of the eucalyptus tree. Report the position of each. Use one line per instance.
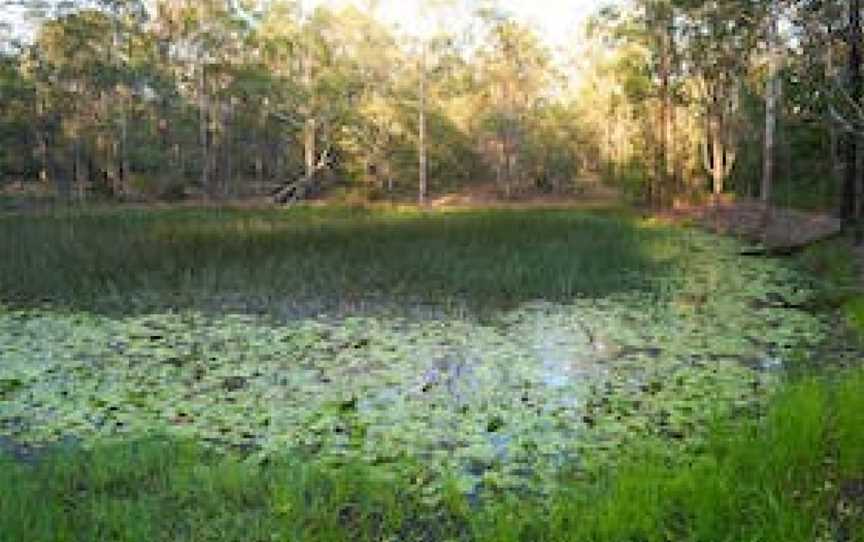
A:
(655, 30)
(17, 138)
(514, 67)
(721, 36)
(332, 85)
(216, 92)
(429, 30)
(832, 30)
(365, 85)
(129, 58)
(819, 23)
(421, 138)
(772, 95)
(851, 206)
(72, 69)
(627, 90)
(684, 73)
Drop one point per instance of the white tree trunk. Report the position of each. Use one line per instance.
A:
(772, 91)
(203, 106)
(423, 181)
(718, 153)
(123, 173)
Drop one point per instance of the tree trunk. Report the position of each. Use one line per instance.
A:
(123, 171)
(672, 158)
(423, 181)
(833, 138)
(772, 88)
(229, 149)
(309, 125)
(718, 153)
(850, 208)
(609, 156)
(677, 164)
(616, 122)
(309, 146)
(78, 167)
(42, 138)
(261, 144)
(217, 149)
(119, 160)
(43, 158)
(204, 131)
(665, 105)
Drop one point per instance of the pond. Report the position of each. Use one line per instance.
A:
(499, 403)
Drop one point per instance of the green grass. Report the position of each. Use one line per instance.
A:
(834, 262)
(788, 475)
(157, 489)
(755, 481)
(763, 479)
(322, 256)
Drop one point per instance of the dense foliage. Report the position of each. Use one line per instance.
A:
(358, 371)
(671, 98)
(207, 98)
(686, 88)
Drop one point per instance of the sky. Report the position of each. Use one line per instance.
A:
(557, 20)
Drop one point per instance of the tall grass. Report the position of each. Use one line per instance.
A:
(850, 425)
(778, 478)
(755, 481)
(765, 480)
(342, 255)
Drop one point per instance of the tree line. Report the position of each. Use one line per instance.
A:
(671, 99)
(119, 98)
(760, 98)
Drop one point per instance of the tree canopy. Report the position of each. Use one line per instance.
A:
(671, 99)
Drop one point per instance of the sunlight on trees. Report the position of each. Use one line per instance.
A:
(671, 100)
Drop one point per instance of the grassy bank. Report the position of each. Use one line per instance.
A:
(797, 474)
(322, 256)
(774, 479)
(451, 429)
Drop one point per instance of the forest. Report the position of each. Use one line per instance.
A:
(431, 270)
(128, 101)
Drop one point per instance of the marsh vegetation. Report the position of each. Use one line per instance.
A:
(324, 372)
(375, 271)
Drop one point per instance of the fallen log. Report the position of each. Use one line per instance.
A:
(788, 249)
(296, 190)
(777, 232)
